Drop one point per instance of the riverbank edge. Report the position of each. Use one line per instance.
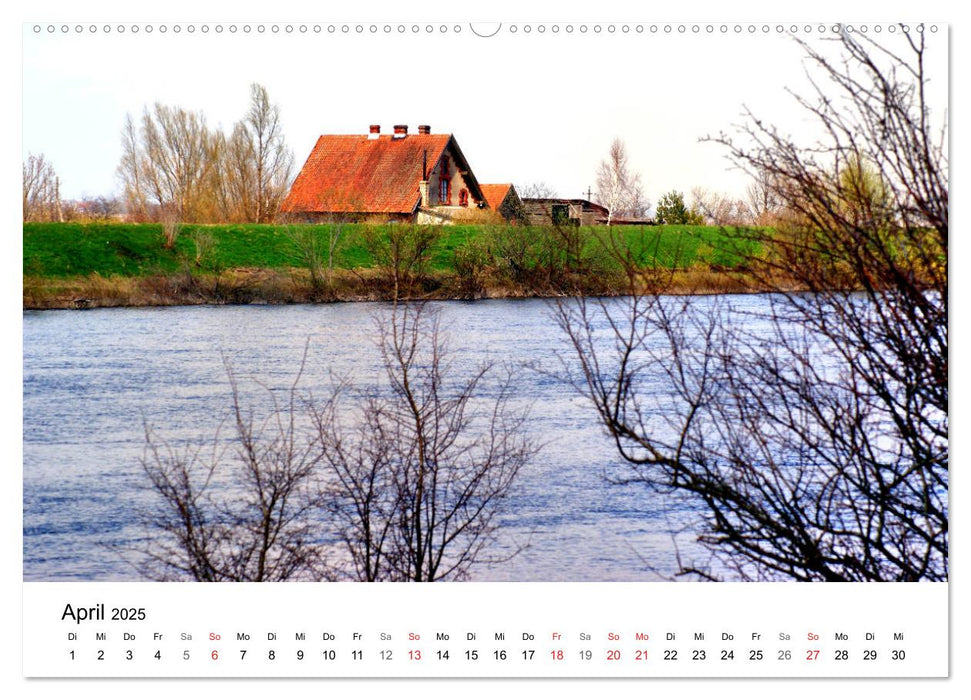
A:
(276, 287)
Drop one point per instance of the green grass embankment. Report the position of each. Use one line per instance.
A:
(129, 264)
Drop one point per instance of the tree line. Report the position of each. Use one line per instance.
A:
(619, 189)
(42, 190)
(174, 167)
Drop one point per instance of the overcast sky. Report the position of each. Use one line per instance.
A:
(525, 107)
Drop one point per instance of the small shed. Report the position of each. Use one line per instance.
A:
(504, 199)
(552, 211)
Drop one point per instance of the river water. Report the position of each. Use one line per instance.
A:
(93, 379)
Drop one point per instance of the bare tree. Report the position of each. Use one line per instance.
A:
(242, 518)
(618, 187)
(177, 160)
(720, 209)
(421, 469)
(272, 161)
(131, 172)
(536, 190)
(232, 177)
(813, 434)
(254, 164)
(42, 190)
(763, 199)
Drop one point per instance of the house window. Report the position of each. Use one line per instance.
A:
(463, 198)
(444, 183)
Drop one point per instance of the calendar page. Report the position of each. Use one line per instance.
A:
(561, 346)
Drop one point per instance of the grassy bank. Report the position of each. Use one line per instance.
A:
(113, 264)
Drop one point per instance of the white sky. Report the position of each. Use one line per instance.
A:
(524, 107)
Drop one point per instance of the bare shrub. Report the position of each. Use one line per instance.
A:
(242, 517)
(520, 254)
(403, 254)
(420, 471)
(171, 228)
(471, 260)
(205, 245)
(309, 252)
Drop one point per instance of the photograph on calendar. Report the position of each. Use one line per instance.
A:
(485, 302)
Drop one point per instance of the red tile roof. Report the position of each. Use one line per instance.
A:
(358, 174)
(494, 194)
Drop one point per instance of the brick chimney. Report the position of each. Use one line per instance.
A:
(423, 184)
(400, 131)
(424, 129)
(375, 131)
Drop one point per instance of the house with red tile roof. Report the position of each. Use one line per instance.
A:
(420, 178)
(504, 199)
